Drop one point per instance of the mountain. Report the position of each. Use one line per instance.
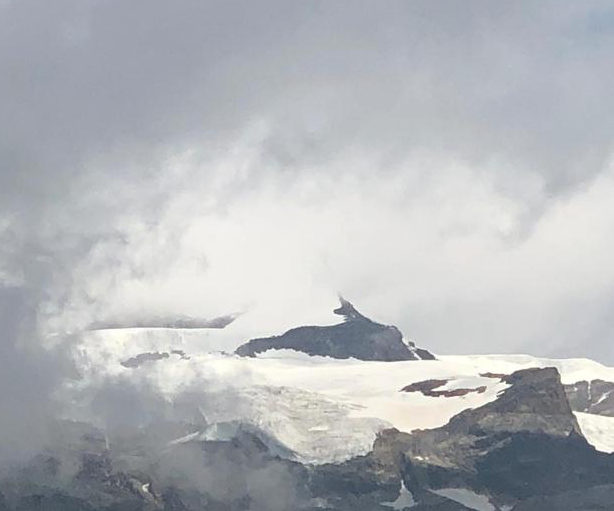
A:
(502, 452)
(357, 337)
(287, 430)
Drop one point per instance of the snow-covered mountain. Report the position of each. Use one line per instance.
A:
(422, 432)
(327, 409)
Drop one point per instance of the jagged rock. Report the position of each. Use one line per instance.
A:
(595, 396)
(510, 446)
(523, 449)
(429, 388)
(154, 356)
(142, 358)
(425, 387)
(496, 376)
(357, 337)
(361, 476)
(138, 472)
(534, 402)
(524, 444)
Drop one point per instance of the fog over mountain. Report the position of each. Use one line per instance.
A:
(447, 166)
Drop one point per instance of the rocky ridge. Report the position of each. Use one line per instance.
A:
(523, 451)
(525, 445)
(595, 396)
(356, 337)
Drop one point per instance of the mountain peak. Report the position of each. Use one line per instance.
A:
(357, 337)
(347, 310)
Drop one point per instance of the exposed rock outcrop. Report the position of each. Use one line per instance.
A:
(526, 443)
(431, 388)
(142, 358)
(523, 451)
(595, 499)
(146, 472)
(535, 402)
(153, 356)
(595, 396)
(509, 447)
(357, 337)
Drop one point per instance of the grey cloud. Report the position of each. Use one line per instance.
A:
(28, 378)
(521, 88)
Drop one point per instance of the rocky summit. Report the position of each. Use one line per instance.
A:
(356, 337)
(523, 448)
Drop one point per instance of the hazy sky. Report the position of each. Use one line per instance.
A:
(447, 166)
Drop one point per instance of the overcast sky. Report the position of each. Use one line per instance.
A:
(447, 166)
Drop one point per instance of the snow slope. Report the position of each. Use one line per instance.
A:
(467, 498)
(598, 430)
(404, 500)
(323, 409)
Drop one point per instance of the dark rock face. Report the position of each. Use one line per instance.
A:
(496, 376)
(530, 465)
(524, 445)
(425, 387)
(596, 498)
(508, 446)
(524, 451)
(153, 356)
(357, 337)
(429, 388)
(54, 502)
(535, 402)
(595, 396)
(148, 472)
(141, 358)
